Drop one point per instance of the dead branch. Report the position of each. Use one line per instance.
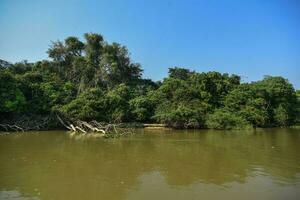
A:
(80, 129)
(63, 123)
(13, 127)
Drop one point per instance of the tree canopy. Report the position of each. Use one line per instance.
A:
(95, 80)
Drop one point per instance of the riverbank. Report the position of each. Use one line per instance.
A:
(7, 128)
(145, 126)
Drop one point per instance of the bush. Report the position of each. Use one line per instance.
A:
(181, 116)
(224, 119)
(142, 108)
(89, 105)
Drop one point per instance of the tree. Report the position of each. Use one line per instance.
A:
(90, 105)
(117, 67)
(185, 99)
(57, 51)
(248, 101)
(281, 116)
(12, 99)
(280, 95)
(224, 119)
(118, 103)
(142, 108)
(4, 64)
(74, 47)
(298, 107)
(94, 79)
(93, 47)
(180, 73)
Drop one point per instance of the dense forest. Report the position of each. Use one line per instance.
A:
(96, 80)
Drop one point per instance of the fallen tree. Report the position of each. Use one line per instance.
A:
(13, 127)
(105, 129)
(76, 126)
(26, 123)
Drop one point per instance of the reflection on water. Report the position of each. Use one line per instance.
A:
(15, 195)
(259, 164)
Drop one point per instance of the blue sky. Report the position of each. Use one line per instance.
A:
(248, 38)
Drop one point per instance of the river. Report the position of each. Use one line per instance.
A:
(152, 164)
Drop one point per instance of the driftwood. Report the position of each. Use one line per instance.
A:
(13, 127)
(105, 129)
(80, 129)
(26, 123)
(63, 123)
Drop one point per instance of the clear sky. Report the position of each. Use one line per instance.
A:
(249, 38)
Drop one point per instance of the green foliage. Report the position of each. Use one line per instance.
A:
(186, 98)
(281, 116)
(281, 98)
(179, 73)
(57, 93)
(298, 107)
(224, 119)
(118, 103)
(74, 47)
(93, 47)
(142, 108)
(95, 80)
(96, 104)
(116, 67)
(247, 100)
(184, 115)
(12, 99)
(89, 105)
(34, 87)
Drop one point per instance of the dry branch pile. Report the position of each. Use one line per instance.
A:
(25, 123)
(75, 126)
(105, 129)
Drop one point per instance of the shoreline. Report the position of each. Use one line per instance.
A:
(148, 126)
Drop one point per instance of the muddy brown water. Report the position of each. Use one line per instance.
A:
(152, 164)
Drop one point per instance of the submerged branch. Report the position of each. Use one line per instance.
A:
(93, 127)
(26, 123)
(13, 127)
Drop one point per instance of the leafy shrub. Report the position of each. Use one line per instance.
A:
(224, 119)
